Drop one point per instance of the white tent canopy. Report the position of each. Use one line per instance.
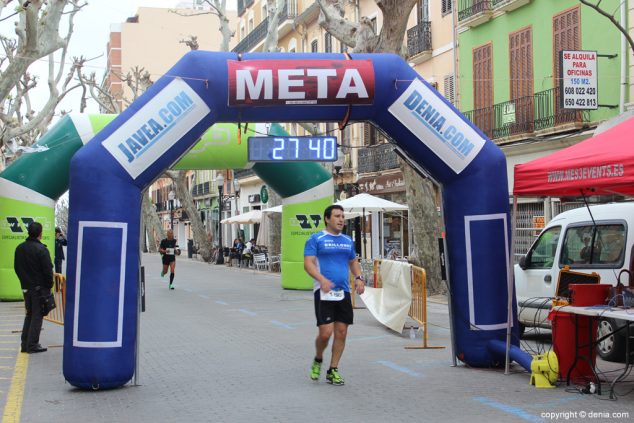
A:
(254, 216)
(276, 209)
(367, 203)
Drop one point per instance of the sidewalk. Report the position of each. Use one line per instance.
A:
(228, 345)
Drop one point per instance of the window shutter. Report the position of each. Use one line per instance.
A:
(521, 69)
(328, 42)
(483, 77)
(449, 89)
(566, 36)
(483, 88)
(446, 6)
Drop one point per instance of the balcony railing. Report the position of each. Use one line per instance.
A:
(470, 8)
(509, 5)
(375, 159)
(419, 38)
(258, 34)
(525, 115)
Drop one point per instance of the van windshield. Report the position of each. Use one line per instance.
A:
(542, 255)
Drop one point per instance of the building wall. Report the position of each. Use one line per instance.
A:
(630, 27)
(538, 14)
(441, 64)
(153, 41)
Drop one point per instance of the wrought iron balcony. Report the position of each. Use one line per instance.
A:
(419, 38)
(526, 115)
(375, 159)
(474, 12)
(258, 34)
(508, 5)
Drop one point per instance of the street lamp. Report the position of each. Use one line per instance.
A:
(236, 191)
(170, 197)
(220, 181)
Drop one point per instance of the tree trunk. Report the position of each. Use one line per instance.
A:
(426, 227)
(151, 223)
(423, 215)
(187, 202)
(274, 9)
(275, 225)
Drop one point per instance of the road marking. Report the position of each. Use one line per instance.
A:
(398, 368)
(282, 325)
(13, 406)
(221, 302)
(203, 296)
(247, 312)
(516, 411)
(368, 338)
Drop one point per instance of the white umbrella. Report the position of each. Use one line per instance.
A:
(276, 209)
(254, 216)
(367, 202)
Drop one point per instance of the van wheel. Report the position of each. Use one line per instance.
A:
(613, 347)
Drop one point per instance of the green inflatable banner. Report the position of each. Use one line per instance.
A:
(14, 219)
(30, 186)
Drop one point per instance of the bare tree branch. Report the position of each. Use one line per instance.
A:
(611, 18)
(38, 35)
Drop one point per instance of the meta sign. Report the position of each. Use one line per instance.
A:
(578, 80)
(305, 82)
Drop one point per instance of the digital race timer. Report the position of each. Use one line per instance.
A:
(286, 149)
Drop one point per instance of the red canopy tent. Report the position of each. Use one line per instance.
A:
(603, 164)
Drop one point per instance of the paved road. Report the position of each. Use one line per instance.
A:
(229, 345)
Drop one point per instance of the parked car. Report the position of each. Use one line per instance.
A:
(596, 240)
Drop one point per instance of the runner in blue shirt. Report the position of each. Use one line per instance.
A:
(327, 257)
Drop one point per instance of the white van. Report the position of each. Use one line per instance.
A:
(572, 239)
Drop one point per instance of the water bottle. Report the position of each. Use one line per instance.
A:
(412, 333)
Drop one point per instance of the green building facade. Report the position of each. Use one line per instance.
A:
(508, 64)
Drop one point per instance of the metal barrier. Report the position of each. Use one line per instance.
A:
(59, 292)
(418, 308)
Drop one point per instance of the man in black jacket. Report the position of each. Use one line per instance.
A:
(60, 242)
(35, 270)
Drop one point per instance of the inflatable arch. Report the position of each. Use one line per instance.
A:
(30, 186)
(205, 87)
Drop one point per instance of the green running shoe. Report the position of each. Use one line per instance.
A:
(171, 286)
(334, 377)
(315, 370)
(162, 274)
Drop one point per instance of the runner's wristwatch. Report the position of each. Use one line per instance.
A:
(360, 278)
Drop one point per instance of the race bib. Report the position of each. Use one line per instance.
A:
(169, 251)
(332, 295)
